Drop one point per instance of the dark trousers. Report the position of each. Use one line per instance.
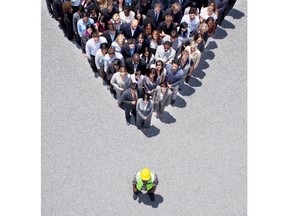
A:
(49, 6)
(92, 63)
(129, 108)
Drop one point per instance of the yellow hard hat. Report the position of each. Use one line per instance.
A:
(145, 174)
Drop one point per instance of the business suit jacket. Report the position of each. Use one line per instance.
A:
(151, 15)
(163, 56)
(130, 66)
(143, 111)
(126, 51)
(126, 30)
(166, 99)
(106, 34)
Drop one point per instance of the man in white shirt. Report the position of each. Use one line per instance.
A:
(92, 46)
(192, 20)
(165, 53)
(100, 60)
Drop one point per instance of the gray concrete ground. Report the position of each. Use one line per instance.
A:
(89, 154)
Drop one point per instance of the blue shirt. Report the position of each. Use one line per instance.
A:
(173, 78)
(81, 26)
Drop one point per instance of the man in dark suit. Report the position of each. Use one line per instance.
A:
(132, 30)
(156, 14)
(110, 34)
(129, 49)
(128, 101)
(144, 6)
(135, 64)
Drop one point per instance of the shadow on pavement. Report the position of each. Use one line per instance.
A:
(227, 25)
(144, 198)
(167, 118)
(187, 90)
(219, 34)
(203, 64)
(211, 45)
(236, 14)
(195, 82)
(208, 54)
(199, 74)
(180, 102)
(150, 132)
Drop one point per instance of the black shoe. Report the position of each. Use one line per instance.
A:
(135, 195)
(173, 102)
(152, 196)
(128, 122)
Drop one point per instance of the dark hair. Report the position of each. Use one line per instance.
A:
(198, 36)
(111, 50)
(167, 43)
(161, 62)
(147, 49)
(210, 19)
(152, 70)
(90, 26)
(116, 62)
(146, 96)
(192, 11)
(163, 84)
(183, 25)
(84, 14)
(176, 61)
(111, 27)
(95, 34)
(131, 41)
(81, 9)
(174, 34)
(134, 86)
(104, 46)
(127, 7)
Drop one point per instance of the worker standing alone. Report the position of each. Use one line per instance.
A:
(145, 181)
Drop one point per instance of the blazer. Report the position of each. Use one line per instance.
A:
(126, 97)
(125, 51)
(106, 34)
(130, 66)
(166, 99)
(126, 30)
(151, 15)
(160, 54)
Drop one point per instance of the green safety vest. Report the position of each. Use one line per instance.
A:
(149, 184)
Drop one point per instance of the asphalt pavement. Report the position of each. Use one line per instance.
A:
(199, 150)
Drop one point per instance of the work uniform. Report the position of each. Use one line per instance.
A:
(145, 186)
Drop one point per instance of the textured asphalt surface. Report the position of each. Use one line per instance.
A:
(89, 154)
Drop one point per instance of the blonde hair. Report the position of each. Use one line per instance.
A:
(193, 45)
(119, 37)
(115, 16)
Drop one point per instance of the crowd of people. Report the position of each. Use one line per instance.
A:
(143, 50)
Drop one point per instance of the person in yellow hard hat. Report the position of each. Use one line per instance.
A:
(145, 180)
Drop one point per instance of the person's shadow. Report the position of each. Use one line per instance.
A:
(144, 198)
(236, 14)
(167, 118)
(219, 34)
(150, 132)
(180, 102)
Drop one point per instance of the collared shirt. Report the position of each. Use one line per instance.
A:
(132, 51)
(132, 31)
(81, 26)
(112, 36)
(173, 78)
(92, 46)
(192, 24)
(135, 66)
